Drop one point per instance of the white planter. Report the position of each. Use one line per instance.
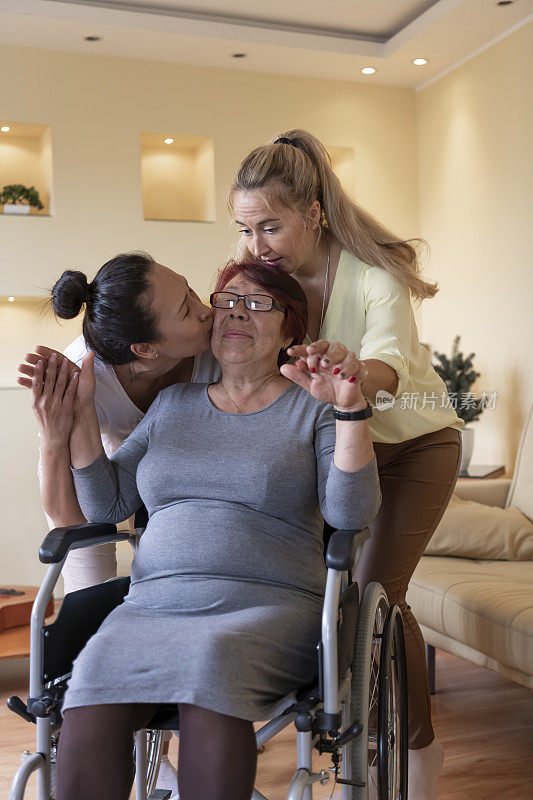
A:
(468, 444)
(13, 208)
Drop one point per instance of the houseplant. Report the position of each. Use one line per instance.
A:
(18, 199)
(459, 375)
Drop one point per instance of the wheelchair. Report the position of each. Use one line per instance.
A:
(355, 711)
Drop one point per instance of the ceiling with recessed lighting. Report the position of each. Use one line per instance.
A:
(334, 39)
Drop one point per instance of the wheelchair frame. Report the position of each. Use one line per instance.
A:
(321, 721)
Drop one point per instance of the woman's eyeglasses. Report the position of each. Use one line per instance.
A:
(253, 302)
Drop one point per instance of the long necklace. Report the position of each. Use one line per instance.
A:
(325, 293)
(270, 378)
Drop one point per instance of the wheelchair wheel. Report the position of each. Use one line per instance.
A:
(363, 751)
(392, 738)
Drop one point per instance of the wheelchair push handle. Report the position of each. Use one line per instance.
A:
(59, 541)
(342, 548)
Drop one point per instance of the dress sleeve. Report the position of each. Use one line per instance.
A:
(107, 488)
(348, 500)
(388, 320)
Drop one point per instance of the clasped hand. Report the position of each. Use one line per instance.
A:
(60, 392)
(329, 372)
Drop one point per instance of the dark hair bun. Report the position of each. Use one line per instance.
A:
(69, 293)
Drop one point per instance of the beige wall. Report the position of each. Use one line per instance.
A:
(475, 171)
(97, 108)
(25, 323)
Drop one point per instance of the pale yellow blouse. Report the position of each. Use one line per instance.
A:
(371, 313)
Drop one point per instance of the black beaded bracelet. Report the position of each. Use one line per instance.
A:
(352, 416)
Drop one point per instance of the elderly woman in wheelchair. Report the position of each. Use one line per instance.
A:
(228, 596)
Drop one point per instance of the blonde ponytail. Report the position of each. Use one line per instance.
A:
(298, 173)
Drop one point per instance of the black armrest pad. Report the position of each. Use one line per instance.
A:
(141, 517)
(342, 548)
(60, 540)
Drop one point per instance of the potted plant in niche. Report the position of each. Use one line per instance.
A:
(458, 374)
(18, 199)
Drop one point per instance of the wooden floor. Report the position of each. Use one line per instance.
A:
(484, 721)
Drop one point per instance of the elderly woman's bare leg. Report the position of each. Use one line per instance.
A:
(218, 755)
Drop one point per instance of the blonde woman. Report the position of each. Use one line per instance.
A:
(292, 211)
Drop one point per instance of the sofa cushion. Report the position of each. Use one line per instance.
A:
(487, 605)
(474, 530)
(520, 494)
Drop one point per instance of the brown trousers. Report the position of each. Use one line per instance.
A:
(417, 479)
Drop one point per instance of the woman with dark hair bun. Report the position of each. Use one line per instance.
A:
(148, 329)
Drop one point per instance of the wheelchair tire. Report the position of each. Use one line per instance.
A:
(364, 692)
(392, 741)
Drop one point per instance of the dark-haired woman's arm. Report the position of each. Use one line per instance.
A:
(53, 392)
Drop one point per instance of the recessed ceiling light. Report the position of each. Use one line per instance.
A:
(93, 38)
(5, 128)
(368, 70)
(169, 140)
(11, 299)
(239, 55)
(419, 62)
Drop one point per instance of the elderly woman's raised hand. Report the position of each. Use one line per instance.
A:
(329, 372)
(60, 394)
(43, 354)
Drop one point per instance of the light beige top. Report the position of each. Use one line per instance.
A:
(371, 313)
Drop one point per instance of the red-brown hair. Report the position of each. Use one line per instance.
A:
(285, 289)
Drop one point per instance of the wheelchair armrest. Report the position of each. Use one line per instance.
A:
(342, 548)
(59, 541)
(141, 517)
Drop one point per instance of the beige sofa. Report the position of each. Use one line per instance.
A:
(477, 608)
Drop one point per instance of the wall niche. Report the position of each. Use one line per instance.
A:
(26, 158)
(178, 177)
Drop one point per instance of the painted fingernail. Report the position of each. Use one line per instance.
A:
(39, 364)
(75, 376)
(64, 362)
(312, 369)
(336, 371)
(351, 380)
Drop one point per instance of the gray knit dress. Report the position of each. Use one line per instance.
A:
(226, 589)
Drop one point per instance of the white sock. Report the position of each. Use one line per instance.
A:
(167, 777)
